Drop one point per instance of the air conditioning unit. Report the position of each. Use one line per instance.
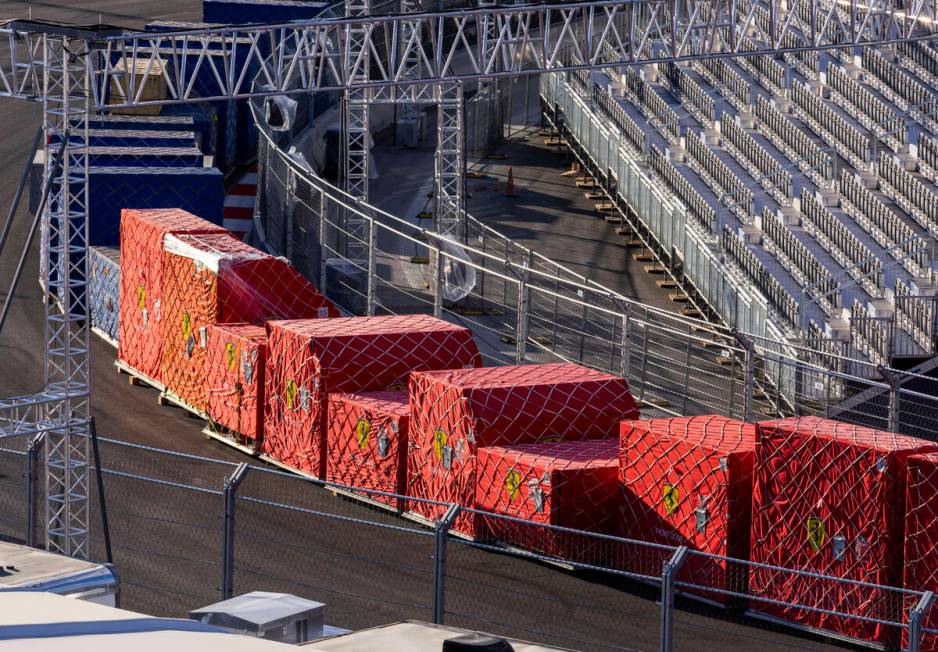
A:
(277, 617)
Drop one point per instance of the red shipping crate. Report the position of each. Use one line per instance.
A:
(236, 355)
(454, 413)
(306, 360)
(829, 498)
(921, 536)
(571, 484)
(211, 279)
(141, 281)
(366, 442)
(688, 482)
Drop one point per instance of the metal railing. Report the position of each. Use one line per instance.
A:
(188, 530)
(524, 307)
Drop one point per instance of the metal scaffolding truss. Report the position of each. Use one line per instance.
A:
(336, 53)
(403, 58)
(355, 127)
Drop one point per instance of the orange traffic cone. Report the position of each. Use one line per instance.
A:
(510, 186)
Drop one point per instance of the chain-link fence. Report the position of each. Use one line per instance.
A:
(186, 531)
(523, 307)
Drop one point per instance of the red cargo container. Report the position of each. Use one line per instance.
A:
(571, 484)
(366, 442)
(829, 498)
(921, 537)
(236, 355)
(454, 413)
(308, 359)
(211, 279)
(141, 281)
(688, 482)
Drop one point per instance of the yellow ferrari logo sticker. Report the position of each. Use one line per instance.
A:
(670, 497)
(439, 443)
(513, 483)
(362, 428)
(817, 533)
(186, 326)
(141, 297)
(231, 353)
(289, 394)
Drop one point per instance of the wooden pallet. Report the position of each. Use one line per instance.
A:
(228, 438)
(337, 491)
(104, 336)
(137, 378)
(166, 397)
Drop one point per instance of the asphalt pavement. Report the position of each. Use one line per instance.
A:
(167, 538)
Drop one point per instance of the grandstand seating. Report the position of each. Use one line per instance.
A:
(695, 203)
(870, 111)
(898, 86)
(857, 258)
(620, 118)
(887, 228)
(756, 159)
(685, 87)
(800, 262)
(800, 146)
(780, 298)
(928, 157)
(731, 189)
(793, 142)
(915, 314)
(871, 335)
(732, 85)
(850, 142)
(910, 193)
(660, 115)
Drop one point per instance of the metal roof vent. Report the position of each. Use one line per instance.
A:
(477, 643)
(272, 616)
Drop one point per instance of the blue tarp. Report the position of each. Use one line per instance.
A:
(104, 289)
(241, 12)
(197, 190)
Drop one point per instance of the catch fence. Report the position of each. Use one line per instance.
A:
(186, 531)
(523, 307)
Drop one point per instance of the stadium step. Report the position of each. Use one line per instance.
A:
(643, 257)
(666, 283)
(654, 268)
(678, 297)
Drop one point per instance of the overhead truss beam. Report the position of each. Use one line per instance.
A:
(409, 49)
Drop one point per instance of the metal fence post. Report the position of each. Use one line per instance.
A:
(230, 492)
(436, 257)
(749, 385)
(892, 419)
(521, 343)
(33, 455)
(370, 280)
(916, 616)
(625, 359)
(323, 242)
(669, 573)
(290, 209)
(439, 567)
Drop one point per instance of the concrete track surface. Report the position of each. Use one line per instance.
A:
(167, 539)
